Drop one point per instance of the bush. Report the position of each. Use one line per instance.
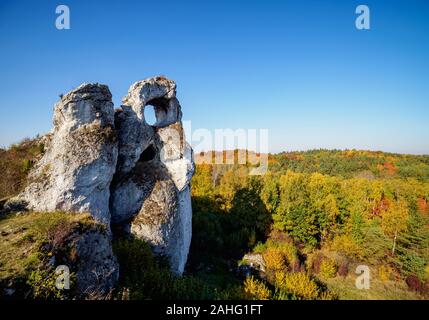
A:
(314, 261)
(290, 253)
(299, 284)
(255, 290)
(261, 247)
(386, 273)
(343, 268)
(281, 256)
(274, 260)
(26, 165)
(412, 263)
(328, 268)
(43, 284)
(135, 258)
(326, 295)
(143, 276)
(346, 245)
(415, 284)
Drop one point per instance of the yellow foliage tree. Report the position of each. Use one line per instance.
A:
(394, 220)
(328, 268)
(255, 290)
(274, 260)
(299, 283)
(346, 245)
(280, 256)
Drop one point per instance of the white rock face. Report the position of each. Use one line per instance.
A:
(176, 155)
(118, 168)
(80, 156)
(150, 192)
(184, 230)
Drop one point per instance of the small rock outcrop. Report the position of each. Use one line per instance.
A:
(255, 261)
(97, 269)
(80, 157)
(150, 193)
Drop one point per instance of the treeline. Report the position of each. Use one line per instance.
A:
(351, 163)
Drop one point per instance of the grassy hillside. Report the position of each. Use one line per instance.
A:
(29, 245)
(15, 163)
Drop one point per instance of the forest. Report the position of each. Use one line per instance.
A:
(298, 232)
(314, 217)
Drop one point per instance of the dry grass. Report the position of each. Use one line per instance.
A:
(15, 162)
(345, 289)
(21, 237)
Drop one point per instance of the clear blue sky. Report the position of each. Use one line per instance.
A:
(299, 68)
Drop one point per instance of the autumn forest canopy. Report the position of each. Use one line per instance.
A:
(316, 215)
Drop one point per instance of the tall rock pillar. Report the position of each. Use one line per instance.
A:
(150, 192)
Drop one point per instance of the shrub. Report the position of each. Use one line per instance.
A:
(290, 253)
(328, 268)
(283, 295)
(386, 273)
(135, 258)
(143, 276)
(346, 245)
(326, 295)
(26, 165)
(274, 260)
(299, 284)
(314, 261)
(43, 283)
(412, 263)
(255, 290)
(260, 247)
(343, 268)
(415, 284)
(281, 256)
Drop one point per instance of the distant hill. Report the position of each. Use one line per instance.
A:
(345, 163)
(349, 163)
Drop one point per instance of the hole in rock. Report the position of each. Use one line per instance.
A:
(148, 154)
(149, 115)
(156, 111)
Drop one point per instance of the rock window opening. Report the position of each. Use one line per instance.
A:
(155, 112)
(149, 115)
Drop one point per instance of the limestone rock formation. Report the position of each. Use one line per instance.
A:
(80, 156)
(150, 192)
(120, 170)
